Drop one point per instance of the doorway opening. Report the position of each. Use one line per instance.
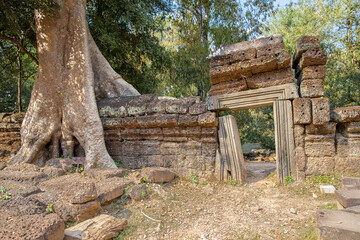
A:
(256, 131)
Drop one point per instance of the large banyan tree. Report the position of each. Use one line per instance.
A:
(72, 76)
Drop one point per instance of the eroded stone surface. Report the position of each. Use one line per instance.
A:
(157, 175)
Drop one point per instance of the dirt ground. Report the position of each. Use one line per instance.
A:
(193, 209)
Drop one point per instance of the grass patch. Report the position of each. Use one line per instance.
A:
(310, 233)
(124, 233)
(330, 206)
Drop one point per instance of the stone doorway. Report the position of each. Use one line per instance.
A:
(280, 98)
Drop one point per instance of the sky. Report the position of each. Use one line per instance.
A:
(282, 3)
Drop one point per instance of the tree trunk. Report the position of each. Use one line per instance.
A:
(72, 75)
(19, 85)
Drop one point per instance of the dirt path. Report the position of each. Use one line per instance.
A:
(187, 210)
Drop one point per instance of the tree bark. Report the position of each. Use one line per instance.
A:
(72, 75)
(19, 85)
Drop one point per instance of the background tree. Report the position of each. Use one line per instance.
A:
(337, 24)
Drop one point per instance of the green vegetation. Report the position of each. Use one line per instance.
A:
(330, 206)
(49, 208)
(4, 195)
(289, 179)
(324, 179)
(232, 182)
(193, 178)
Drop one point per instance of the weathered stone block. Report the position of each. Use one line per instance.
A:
(320, 166)
(130, 148)
(302, 45)
(348, 198)
(320, 145)
(175, 139)
(112, 135)
(302, 111)
(209, 149)
(228, 87)
(270, 49)
(283, 60)
(337, 225)
(240, 55)
(138, 105)
(320, 110)
(325, 129)
(313, 56)
(187, 120)
(149, 148)
(114, 148)
(346, 114)
(347, 165)
(157, 175)
(180, 106)
(347, 128)
(111, 188)
(300, 158)
(312, 88)
(168, 120)
(209, 131)
(312, 72)
(111, 123)
(101, 227)
(348, 147)
(198, 108)
(299, 135)
(269, 79)
(208, 119)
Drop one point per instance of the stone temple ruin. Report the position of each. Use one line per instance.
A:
(187, 136)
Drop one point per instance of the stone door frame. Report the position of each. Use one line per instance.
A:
(280, 98)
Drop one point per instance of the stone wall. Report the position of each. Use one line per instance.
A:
(9, 134)
(146, 130)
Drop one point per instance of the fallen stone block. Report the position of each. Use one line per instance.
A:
(15, 188)
(346, 114)
(269, 79)
(329, 189)
(111, 188)
(313, 56)
(39, 226)
(75, 188)
(34, 177)
(157, 175)
(53, 172)
(355, 181)
(320, 111)
(102, 174)
(348, 198)
(312, 88)
(137, 192)
(302, 111)
(338, 225)
(102, 227)
(355, 209)
(22, 167)
(302, 45)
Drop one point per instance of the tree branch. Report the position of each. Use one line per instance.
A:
(20, 46)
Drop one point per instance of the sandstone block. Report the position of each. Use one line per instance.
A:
(312, 88)
(111, 188)
(320, 145)
(177, 106)
(348, 147)
(283, 60)
(103, 174)
(157, 106)
(337, 225)
(300, 158)
(198, 108)
(320, 110)
(240, 55)
(170, 148)
(208, 119)
(348, 128)
(168, 120)
(137, 192)
(348, 198)
(302, 45)
(270, 49)
(113, 123)
(209, 149)
(53, 172)
(157, 175)
(228, 87)
(131, 148)
(312, 72)
(113, 112)
(39, 226)
(269, 79)
(355, 181)
(320, 166)
(230, 77)
(150, 148)
(187, 120)
(74, 187)
(22, 189)
(138, 105)
(313, 56)
(114, 148)
(302, 111)
(34, 177)
(299, 135)
(347, 165)
(112, 135)
(325, 129)
(101, 227)
(346, 114)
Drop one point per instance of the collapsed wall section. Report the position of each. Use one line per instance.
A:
(10, 141)
(146, 130)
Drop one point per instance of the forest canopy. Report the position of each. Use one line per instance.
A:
(160, 46)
